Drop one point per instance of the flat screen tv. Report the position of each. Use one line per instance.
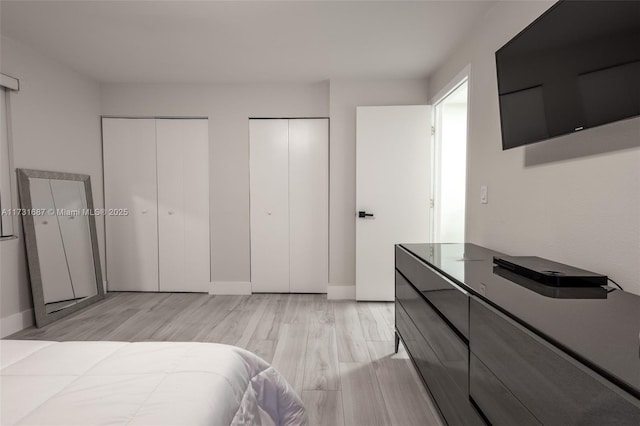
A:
(576, 67)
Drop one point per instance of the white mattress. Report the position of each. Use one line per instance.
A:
(147, 383)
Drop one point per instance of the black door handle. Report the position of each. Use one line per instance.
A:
(362, 213)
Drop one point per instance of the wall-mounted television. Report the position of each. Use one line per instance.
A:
(576, 67)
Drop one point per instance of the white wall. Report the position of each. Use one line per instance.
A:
(228, 108)
(574, 199)
(55, 121)
(345, 97)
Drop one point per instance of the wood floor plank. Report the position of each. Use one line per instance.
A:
(187, 316)
(324, 408)
(148, 322)
(321, 370)
(351, 344)
(323, 310)
(269, 326)
(255, 316)
(289, 356)
(210, 313)
(265, 349)
(406, 400)
(228, 331)
(386, 324)
(388, 311)
(362, 399)
(374, 326)
(298, 309)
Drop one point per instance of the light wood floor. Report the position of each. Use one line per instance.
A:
(339, 356)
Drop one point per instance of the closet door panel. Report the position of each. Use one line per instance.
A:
(171, 241)
(269, 175)
(183, 204)
(129, 154)
(309, 205)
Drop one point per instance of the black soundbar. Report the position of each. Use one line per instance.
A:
(550, 273)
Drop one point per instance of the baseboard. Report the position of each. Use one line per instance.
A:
(16, 322)
(341, 292)
(230, 287)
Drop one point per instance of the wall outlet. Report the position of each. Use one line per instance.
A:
(483, 289)
(483, 195)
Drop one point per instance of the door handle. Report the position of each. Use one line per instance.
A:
(362, 213)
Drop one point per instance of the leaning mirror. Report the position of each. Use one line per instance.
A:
(61, 240)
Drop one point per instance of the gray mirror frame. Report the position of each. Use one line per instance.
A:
(24, 190)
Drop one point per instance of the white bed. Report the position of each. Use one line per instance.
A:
(146, 383)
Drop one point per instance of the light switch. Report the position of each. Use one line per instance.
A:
(483, 195)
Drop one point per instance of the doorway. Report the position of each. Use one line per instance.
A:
(450, 165)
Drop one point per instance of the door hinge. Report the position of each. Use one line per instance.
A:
(432, 203)
(433, 130)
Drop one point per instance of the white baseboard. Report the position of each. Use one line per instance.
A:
(341, 292)
(230, 287)
(16, 322)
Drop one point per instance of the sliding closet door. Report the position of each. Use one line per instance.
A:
(269, 198)
(183, 204)
(309, 205)
(129, 153)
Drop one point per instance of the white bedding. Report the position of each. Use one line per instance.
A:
(146, 383)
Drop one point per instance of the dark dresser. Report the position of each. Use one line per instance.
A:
(496, 348)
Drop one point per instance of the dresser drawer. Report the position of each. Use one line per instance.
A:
(555, 388)
(445, 295)
(410, 334)
(440, 355)
(499, 405)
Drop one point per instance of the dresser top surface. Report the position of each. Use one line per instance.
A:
(602, 329)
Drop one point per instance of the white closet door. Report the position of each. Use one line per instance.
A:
(269, 176)
(309, 205)
(183, 204)
(129, 152)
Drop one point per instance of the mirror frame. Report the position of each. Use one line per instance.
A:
(35, 273)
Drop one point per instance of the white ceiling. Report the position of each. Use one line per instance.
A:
(240, 41)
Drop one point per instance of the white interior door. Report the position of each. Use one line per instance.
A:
(392, 184)
(183, 204)
(269, 198)
(129, 153)
(309, 205)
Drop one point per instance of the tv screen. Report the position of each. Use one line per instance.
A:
(575, 67)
